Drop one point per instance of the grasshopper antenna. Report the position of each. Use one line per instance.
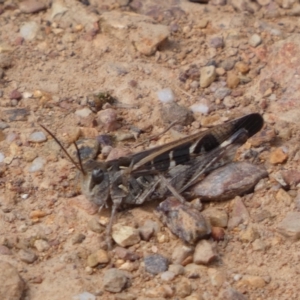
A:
(79, 167)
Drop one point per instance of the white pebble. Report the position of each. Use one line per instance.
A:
(29, 30)
(37, 164)
(84, 112)
(27, 95)
(199, 108)
(84, 296)
(24, 196)
(167, 276)
(1, 157)
(37, 137)
(166, 95)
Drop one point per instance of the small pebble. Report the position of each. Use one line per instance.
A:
(167, 276)
(78, 238)
(125, 235)
(95, 226)
(41, 245)
(84, 296)
(204, 253)
(32, 6)
(37, 137)
(278, 156)
(217, 42)
(255, 40)
(232, 80)
(108, 119)
(176, 269)
(37, 164)
(115, 280)
(27, 256)
(222, 92)
(2, 157)
(242, 67)
(207, 76)
(98, 257)
(200, 108)
(290, 226)
(166, 95)
(15, 94)
(83, 113)
(156, 264)
(29, 30)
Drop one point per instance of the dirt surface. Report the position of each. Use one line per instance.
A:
(221, 61)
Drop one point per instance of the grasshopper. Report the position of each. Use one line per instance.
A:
(160, 171)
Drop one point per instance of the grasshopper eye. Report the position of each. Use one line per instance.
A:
(97, 176)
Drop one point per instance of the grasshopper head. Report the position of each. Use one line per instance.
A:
(95, 182)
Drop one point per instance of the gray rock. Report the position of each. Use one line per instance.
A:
(11, 284)
(229, 293)
(84, 296)
(83, 112)
(204, 253)
(217, 42)
(207, 76)
(227, 64)
(222, 92)
(95, 226)
(37, 164)
(41, 245)
(148, 229)
(16, 114)
(156, 264)
(172, 111)
(78, 238)
(183, 220)
(27, 256)
(30, 30)
(126, 254)
(37, 137)
(290, 226)
(229, 181)
(115, 280)
(107, 119)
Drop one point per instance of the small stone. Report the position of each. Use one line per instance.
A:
(115, 280)
(231, 294)
(5, 60)
(126, 254)
(166, 95)
(167, 276)
(3, 125)
(195, 271)
(204, 253)
(249, 235)
(217, 277)
(100, 257)
(290, 226)
(95, 226)
(37, 137)
(207, 76)
(12, 286)
(36, 214)
(254, 281)
(283, 197)
(29, 30)
(229, 102)
(176, 269)
(227, 64)
(78, 238)
(239, 215)
(16, 114)
(5, 250)
(222, 92)
(255, 40)
(108, 119)
(83, 113)
(242, 67)
(41, 245)
(183, 288)
(27, 256)
(84, 296)
(220, 71)
(180, 253)
(218, 233)
(232, 80)
(32, 6)
(200, 108)
(27, 95)
(217, 217)
(183, 220)
(259, 245)
(147, 230)
(37, 164)
(15, 94)
(217, 42)
(225, 182)
(278, 156)
(172, 111)
(124, 235)
(155, 264)
(202, 23)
